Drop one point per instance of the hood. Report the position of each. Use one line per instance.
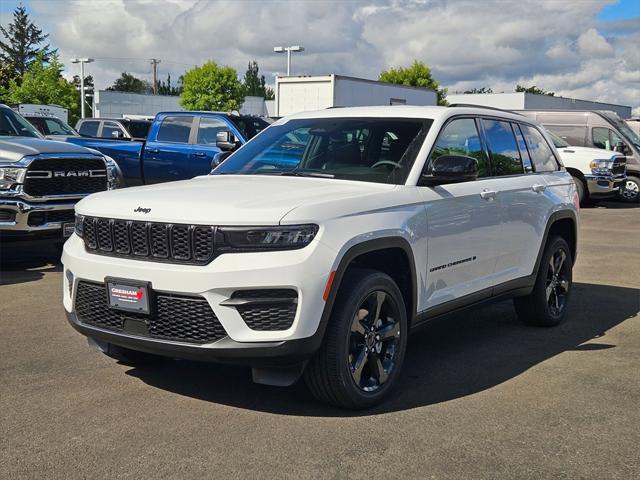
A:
(224, 199)
(13, 149)
(593, 153)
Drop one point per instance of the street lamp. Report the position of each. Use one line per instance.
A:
(81, 61)
(293, 48)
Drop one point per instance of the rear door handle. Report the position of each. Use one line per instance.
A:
(488, 194)
(152, 150)
(538, 188)
(199, 154)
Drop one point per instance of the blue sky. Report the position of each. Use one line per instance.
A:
(621, 10)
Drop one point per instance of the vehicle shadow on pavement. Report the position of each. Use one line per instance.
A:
(610, 205)
(21, 264)
(449, 358)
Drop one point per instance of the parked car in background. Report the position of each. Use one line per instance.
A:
(51, 127)
(41, 180)
(322, 265)
(597, 129)
(114, 128)
(180, 145)
(597, 173)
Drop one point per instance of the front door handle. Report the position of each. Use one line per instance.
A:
(538, 188)
(199, 154)
(488, 194)
(152, 150)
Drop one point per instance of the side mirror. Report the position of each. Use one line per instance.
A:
(451, 169)
(116, 134)
(226, 141)
(218, 158)
(621, 148)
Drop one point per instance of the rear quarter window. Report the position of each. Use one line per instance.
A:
(175, 129)
(541, 154)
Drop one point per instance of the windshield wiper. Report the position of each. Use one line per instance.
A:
(302, 173)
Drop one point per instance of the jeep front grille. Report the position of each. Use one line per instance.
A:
(160, 242)
(65, 176)
(176, 317)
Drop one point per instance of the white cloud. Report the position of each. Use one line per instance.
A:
(558, 46)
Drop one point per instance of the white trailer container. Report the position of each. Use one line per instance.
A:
(317, 92)
(37, 110)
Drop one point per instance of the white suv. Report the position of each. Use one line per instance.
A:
(317, 246)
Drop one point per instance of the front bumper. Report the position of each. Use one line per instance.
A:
(604, 185)
(305, 270)
(19, 211)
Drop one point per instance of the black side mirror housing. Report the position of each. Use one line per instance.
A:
(218, 158)
(451, 169)
(226, 141)
(621, 148)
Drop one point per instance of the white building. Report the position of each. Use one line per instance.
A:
(303, 93)
(116, 104)
(533, 101)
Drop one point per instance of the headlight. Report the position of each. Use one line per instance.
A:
(256, 239)
(601, 166)
(113, 173)
(79, 228)
(9, 176)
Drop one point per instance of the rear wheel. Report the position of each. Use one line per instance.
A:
(631, 191)
(365, 343)
(547, 304)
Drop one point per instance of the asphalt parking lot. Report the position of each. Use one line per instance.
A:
(482, 396)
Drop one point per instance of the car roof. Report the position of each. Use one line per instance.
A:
(407, 111)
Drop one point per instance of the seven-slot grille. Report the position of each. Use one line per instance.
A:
(65, 176)
(164, 242)
(176, 317)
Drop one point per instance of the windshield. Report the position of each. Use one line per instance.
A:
(378, 150)
(58, 127)
(557, 141)
(13, 125)
(627, 132)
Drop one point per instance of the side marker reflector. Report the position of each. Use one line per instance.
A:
(332, 275)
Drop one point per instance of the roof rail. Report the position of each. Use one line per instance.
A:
(471, 105)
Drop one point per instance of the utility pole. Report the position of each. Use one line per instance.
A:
(82, 61)
(155, 62)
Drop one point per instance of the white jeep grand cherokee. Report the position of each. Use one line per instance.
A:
(320, 244)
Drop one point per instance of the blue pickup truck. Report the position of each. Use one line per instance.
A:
(180, 145)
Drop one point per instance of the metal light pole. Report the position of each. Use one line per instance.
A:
(293, 48)
(81, 61)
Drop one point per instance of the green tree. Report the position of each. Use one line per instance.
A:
(22, 42)
(88, 92)
(533, 89)
(165, 88)
(129, 83)
(211, 87)
(417, 75)
(480, 90)
(43, 83)
(254, 83)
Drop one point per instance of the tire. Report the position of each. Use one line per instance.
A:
(582, 190)
(631, 191)
(356, 366)
(543, 307)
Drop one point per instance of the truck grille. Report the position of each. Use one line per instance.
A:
(163, 242)
(619, 166)
(52, 216)
(177, 317)
(65, 176)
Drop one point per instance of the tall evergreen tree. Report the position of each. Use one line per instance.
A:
(254, 83)
(22, 41)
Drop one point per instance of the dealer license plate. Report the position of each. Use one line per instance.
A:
(130, 297)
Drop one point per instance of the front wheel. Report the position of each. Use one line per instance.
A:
(365, 343)
(631, 190)
(547, 304)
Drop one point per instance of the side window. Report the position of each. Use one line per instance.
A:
(460, 137)
(615, 139)
(522, 146)
(541, 153)
(89, 129)
(175, 129)
(208, 129)
(39, 123)
(54, 127)
(573, 135)
(108, 128)
(600, 137)
(505, 157)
